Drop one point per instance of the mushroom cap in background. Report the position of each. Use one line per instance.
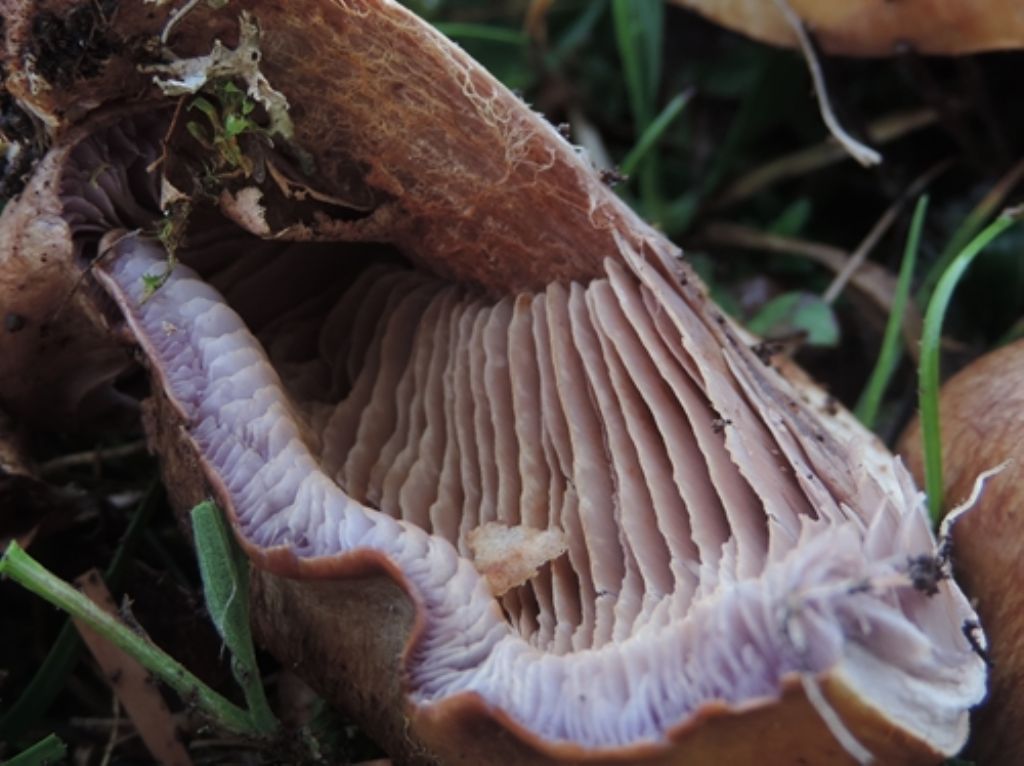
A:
(468, 339)
(981, 411)
(877, 27)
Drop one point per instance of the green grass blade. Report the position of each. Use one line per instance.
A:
(31, 575)
(47, 751)
(639, 32)
(133, 534)
(968, 229)
(681, 212)
(973, 223)
(225, 572)
(928, 375)
(49, 678)
(650, 137)
(483, 33)
(47, 682)
(889, 355)
(577, 33)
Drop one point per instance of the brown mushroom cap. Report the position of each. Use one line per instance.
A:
(982, 416)
(516, 348)
(877, 27)
(58, 356)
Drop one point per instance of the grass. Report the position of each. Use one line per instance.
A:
(892, 343)
(225, 583)
(639, 32)
(648, 140)
(50, 677)
(708, 127)
(48, 750)
(931, 338)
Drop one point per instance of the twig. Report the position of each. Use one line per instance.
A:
(92, 457)
(535, 21)
(738, 235)
(103, 253)
(861, 152)
(166, 141)
(883, 224)
(108, 750)
(820, 155)
(177, 16)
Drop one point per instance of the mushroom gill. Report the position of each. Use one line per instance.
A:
(590, 522)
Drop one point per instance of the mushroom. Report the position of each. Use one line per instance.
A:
(982, 415)
(876, 27)
(514, 489)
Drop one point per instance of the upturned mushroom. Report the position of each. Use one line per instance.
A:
(514, 489)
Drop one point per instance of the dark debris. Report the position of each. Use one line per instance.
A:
(74, 45)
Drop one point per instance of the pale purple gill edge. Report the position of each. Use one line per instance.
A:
(735, 644)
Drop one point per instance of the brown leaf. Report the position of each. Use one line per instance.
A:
(131, 682)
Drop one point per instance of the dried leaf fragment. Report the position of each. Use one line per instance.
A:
(509, 556)
(190, 75)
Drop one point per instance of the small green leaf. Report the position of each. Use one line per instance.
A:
(228, 88)
(199, 134)
(793, 219)
(207, 108)
(225, 572)
(235, 125)
(797, 312)
(153, 282)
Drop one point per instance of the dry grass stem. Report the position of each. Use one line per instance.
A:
(795, 164)
(884, 223)
(861, 152)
